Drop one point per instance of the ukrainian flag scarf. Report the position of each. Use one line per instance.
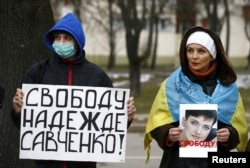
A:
(178, 89)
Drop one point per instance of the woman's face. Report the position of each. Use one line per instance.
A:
(198, 57)
(197, 128)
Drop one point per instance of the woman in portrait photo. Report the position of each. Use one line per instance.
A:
(198, 125)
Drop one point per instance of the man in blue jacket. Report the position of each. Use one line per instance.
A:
(68, 66)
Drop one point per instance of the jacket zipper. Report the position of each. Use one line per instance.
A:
(70, 74)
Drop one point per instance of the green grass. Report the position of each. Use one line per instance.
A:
(144, 101)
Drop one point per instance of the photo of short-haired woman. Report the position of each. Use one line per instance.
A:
(198, 125)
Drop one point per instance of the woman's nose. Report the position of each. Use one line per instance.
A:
(195, 55)
(198, 130)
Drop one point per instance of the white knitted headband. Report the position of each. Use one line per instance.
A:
(203, 39)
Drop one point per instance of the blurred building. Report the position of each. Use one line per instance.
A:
(97, 45)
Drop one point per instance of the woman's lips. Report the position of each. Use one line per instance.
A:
(196, 137)
(195, 64)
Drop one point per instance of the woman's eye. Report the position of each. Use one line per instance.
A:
(202, 51)
(194, 123)
(190, 51)
(206, 127)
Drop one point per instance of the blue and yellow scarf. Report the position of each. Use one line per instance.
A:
(178, 89)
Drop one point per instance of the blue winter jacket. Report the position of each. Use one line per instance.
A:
(58, 71)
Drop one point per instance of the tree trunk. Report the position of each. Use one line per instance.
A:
(227, 15)
(23, 24)
(147, 53)
(132, 42)
(134, 74)
(111, 61)
(133, 26)
(77, 8)
(153, 62)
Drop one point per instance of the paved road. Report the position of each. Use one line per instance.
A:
(136, 155)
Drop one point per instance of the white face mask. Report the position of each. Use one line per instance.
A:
(65, 50)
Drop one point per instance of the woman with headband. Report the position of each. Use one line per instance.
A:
(206, 76)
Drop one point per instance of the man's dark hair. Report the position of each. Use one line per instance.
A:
(207, 114)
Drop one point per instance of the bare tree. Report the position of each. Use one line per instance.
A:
(246, 16)
(154, 54)
(77, 8)
(185, 15)
(111, 61)
(133, 26)
(23, 24)
(101, 15)
(156, 16)
(227, 15)
(151, 20)
(212, 13)
(215, 22)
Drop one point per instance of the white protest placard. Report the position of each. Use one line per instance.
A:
(199, 124)
(73, 123)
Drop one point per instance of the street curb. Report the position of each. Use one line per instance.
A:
(139, 123)
(137, 127)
